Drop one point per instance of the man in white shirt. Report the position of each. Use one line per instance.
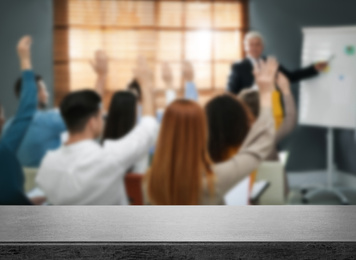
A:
(82, 172)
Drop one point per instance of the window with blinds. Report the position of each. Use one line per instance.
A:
(207, 33)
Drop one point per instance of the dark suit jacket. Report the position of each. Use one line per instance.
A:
(241, 75)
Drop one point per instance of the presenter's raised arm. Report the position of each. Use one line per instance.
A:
(303, 73)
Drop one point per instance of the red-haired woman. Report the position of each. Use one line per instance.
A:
(182, 172)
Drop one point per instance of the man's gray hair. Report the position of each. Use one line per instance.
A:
(253, 34)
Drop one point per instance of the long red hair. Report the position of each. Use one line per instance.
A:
(181, 159)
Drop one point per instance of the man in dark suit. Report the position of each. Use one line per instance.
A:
(241, 72)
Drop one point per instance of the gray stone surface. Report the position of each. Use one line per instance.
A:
(178, 224)
(214, 232)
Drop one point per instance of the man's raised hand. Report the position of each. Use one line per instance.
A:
(143, 72)
(144, 76)
(100, 63)
(24, 52)
(167, 74)
(188, 71)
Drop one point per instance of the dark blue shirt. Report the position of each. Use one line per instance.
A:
(44, 134)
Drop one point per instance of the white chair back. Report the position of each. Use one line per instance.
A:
(273, 172)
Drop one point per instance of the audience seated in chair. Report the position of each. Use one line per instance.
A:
(182, 172)
(229, 121)
(11, 174)
(45, 130)
(82, 171)
(251, 98)
(121, 119)
(199, 156)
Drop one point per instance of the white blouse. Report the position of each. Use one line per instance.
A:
(86, 173)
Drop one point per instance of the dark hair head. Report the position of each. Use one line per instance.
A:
(18, 84)
(135, 87)
(122, 115)
(78, 107)
(252, 100)
(228, 125)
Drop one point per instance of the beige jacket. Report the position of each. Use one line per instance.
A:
(254, 150)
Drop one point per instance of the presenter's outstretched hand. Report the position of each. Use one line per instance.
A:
(24, 52)
(320, 66)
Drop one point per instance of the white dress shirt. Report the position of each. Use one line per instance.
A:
(254, 62)
(85, 173)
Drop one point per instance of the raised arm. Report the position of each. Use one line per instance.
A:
(290, 118)
(28, 99)
(260, 139)
(144, 76)
(100, 67)
(190, 90)
(167, 78)
(167, 75)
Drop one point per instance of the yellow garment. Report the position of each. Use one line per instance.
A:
(277, 108)
(252, 180)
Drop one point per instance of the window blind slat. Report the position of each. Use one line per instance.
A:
(207, 33)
